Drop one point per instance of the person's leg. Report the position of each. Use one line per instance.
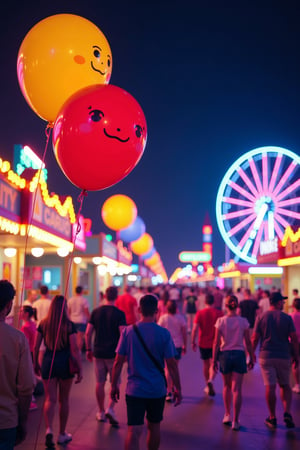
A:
(227, 395)
(206, 372)
(132, 441)
(153, 435)
(237, 381)
(50, 387)
(80, 336)
(64, 393)
(8, 438)
(271, 399)
(100, 395)
(286, 397)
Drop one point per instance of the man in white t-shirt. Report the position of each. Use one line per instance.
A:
(78, 308)
(42, 304)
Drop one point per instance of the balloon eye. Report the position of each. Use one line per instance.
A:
(96, 53)
(96, 115)
(108, 63)
(138, 131)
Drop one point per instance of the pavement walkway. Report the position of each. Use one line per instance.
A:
(194, 425)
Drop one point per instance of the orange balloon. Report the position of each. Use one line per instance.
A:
(118, 212)
(153, 260)
(142, 245)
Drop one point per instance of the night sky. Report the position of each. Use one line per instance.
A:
(215, 79)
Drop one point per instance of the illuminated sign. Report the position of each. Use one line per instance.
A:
(194, 257)
(78, 234)
(290, 244)
(267, 247)
(10, 200)
(124, 255)
(26, 158)
(108, 249)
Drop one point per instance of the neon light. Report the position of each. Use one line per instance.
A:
(242, 224)
(207, 229)
(242, 191)
(265, 270)
(274, 189)
(44, 236)
(194, 257)
(290, 235)
(289, 261)
(9, 226)
(257, 242)
(233, 274)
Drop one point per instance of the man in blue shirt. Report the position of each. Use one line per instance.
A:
(146, 388)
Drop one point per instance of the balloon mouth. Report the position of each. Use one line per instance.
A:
(115, 137)
(97, 70)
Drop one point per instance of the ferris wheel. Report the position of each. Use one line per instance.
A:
(258, 198)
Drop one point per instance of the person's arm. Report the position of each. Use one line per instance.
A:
(216, 349)
(184, 337)
(23, 410)
(194, 336)
(174, 373)
(37, 344)
(88, 342)
(76, 355)
(87, 313)
(116, 372)
(249, 349)
(295, 349)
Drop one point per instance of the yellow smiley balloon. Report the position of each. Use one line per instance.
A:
(60, 55)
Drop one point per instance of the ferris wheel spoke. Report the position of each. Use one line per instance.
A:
(244, 238)
(265, 177)
(241, 191)
(242, 224)
(275, 172)
(291, 201)
(237, 201)
(293, 187)
(255, 174)
(284, 178)
(239, 213)
(257, 240)
(278, 229)
(280, 220)
(288, 213)
(247, 181)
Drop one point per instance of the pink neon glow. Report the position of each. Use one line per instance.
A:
(245, 238)
(242, 191)
(280, 220)
(241, 212)
(242, 224)
(289, 189)
(265, 173)
(237, 201)
(257, 241)
(278, 230)
(275, 172)
(255, 174)
(266, 230)
(284, 178)
(248, 182)
(288, 213)
(291, 201)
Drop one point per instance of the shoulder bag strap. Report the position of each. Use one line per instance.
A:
(153, 359)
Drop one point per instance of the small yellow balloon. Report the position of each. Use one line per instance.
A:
(118, 212)
(60, 55)
(142, 245)
(154, 259)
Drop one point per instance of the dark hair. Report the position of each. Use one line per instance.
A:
(111, 293)
(57, 325)
(148, 305)
(79, 289)
(44, 290)
(30, 311)
(7, 293)
(171, 307)
(296, 303)
(231, 302)
(209, 299)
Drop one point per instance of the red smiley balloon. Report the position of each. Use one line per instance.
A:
(99, 136)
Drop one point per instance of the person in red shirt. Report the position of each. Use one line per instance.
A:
(128, 304)
(204, 326)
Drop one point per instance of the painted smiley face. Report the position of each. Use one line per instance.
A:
(99, 136)
(99, 60)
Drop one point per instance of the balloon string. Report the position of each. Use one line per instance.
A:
(28, 228)
(80, 199)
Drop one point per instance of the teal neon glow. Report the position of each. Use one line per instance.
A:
(258, 198)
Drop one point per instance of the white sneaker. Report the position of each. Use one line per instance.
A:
(206, 390)
(64, 438)
(226, 420)
(296, 389)
(110, 415)
(100, 416)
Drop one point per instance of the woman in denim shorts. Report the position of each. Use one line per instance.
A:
(232, 331)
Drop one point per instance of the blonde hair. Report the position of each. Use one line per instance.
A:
(57, 325)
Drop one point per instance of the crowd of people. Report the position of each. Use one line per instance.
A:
(146, 329)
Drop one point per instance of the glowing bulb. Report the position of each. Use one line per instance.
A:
(10, 252)
(97, 260)
(37, 252)
(62, 251)
(77, 259)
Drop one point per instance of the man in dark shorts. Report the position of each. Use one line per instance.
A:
(276, 332)
(107, 322)
(146, 387)
(204, 325)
